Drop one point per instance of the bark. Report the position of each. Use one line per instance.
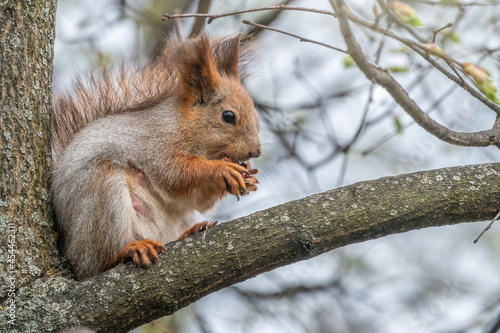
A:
(27, 246)
(126, 297)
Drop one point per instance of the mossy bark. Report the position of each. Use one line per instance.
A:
(27, 246)
(126, 297)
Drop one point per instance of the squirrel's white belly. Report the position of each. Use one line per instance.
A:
(151, 216)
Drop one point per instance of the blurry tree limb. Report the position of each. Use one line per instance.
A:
(389, 136)
(496, 326)
(386, 80)
(212, 17)
(199, 22)
(266, 20)
(394, 18)
(126, 297)
(478, 139)
(424, 52)
(302, 39)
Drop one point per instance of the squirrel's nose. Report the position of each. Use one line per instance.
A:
(255, 154)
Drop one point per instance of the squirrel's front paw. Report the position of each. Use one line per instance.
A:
(230, 178)
(142, 253)
(249, 176)
(239, 171)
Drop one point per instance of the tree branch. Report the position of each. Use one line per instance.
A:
(212, 17)
(302, 39)
(199, 23)
(382, 77)
(424, 52)
(266, 20)
(126, 297)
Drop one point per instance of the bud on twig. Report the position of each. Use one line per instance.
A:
(349, 61)
(482, 80)
(432, 48)
(405, 13)
(376, 12)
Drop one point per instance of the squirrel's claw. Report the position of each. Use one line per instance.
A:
(197, 228)
(243, 180)
(142, 253)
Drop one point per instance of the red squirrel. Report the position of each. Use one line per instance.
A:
(138, 153)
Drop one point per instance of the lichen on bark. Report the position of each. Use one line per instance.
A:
(27, 247)
(126, 297)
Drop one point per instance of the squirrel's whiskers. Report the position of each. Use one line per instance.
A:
(137, 154)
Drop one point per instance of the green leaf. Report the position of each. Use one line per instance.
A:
(397, 123)
(455, 37)
(451, 35)
(398, 69)
(349, 61)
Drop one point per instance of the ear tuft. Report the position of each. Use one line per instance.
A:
(198, 76)
(226, 52)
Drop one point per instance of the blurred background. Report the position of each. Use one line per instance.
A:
(324, 126)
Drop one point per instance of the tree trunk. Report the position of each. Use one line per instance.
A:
(27, 247)
(126, 296)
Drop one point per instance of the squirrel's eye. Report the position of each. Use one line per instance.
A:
(229, 117)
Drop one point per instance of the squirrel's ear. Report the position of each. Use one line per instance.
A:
(198, 76)
(226, 53)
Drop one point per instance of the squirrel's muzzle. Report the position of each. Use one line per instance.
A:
(255, 154)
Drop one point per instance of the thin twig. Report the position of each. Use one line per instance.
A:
(389, 136)
(435, 32)
(266, 19)
(487, 227)
(375, 74)
(423, 51)
(212, 17)
(393, 17)
(302, 39)
(408, 42)
(361, 127)
(455, 4)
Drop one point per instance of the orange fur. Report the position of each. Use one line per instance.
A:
(135, 88)
(142, 253)
(198, 227)
(138, 152)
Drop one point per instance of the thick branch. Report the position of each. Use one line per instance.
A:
(127, 297)
(382, 77)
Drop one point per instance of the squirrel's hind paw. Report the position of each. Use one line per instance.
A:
(197, 228)
(142, 253)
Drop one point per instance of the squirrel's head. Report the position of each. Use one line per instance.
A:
(218, 114)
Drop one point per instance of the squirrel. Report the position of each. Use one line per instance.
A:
(136, 154)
